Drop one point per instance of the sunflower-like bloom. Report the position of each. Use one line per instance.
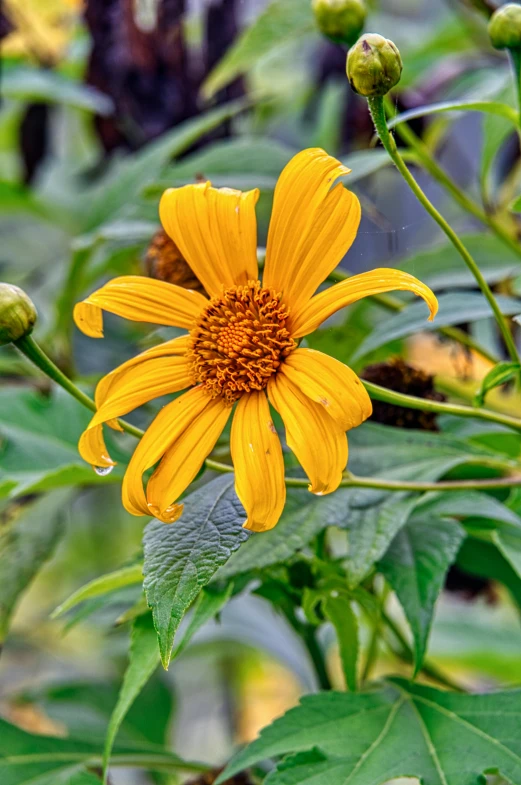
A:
(241, 348)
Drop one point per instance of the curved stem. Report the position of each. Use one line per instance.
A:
(459, 410)
(376, 107)
(36, 355)
(438, 173)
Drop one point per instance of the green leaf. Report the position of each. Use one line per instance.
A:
(495, 132)
(31, 84)
(364, 163)
(280, 22)
(181, 559)
(239, 163)
(208, 605)
(338, 610)
(125, 184)
(415, 566)
(27, 759)
(454, 308)
(500, 374)
(467, 504)
(399, 729)
(441, 267)
(515, 205)
(126, 576)
(143, 660)
(481, 557)
(374, 520)
(489, 107)
(38, 439)
(303, 518)
(26, 543)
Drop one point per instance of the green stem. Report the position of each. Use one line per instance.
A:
(457, 409)
(438, 173)
(36, 355)
(406, 653)
(376, 107)
(515, 60)
(352, 481)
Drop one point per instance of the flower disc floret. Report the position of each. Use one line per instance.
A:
(240, 341)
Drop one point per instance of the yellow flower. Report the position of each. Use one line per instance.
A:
(242, 344)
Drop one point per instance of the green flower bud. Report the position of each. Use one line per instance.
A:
(17, 314)
(374, 65)
(504, 27)
(340, 20)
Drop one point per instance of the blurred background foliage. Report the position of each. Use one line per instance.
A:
(104, 104)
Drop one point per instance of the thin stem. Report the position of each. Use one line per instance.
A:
(376, 107)
(36, 355)
(459, 410)
(405, 653)
(515, 60)
(438, 173)
(376, 483)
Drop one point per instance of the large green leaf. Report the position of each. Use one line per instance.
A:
(442, 267)
(454, 308)
(181, 559)
(399, 729)
(38, 441)
(143, 660)
(415, 565)
(26, 759)
(31, 84)
(26, 543)
(281, 21)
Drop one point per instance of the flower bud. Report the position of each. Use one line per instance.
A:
(17, 314)
(504, 27)
(340, 20)
(374, 65)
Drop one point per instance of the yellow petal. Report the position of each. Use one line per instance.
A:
(151, 379)
(216, 231)
(331, 384)
(322, 306)
(167, 426)
(93, 449)
(175, 347)
(317, 440)
(259, 466)
(312, 226)
(139, 299)
(184, 458)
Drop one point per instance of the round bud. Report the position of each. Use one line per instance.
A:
(374, 65)
(504, 27)
(17, 314)
(340, 20)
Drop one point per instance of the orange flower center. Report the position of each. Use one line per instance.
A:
(239, 341)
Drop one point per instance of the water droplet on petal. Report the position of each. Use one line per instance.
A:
(103, 470)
